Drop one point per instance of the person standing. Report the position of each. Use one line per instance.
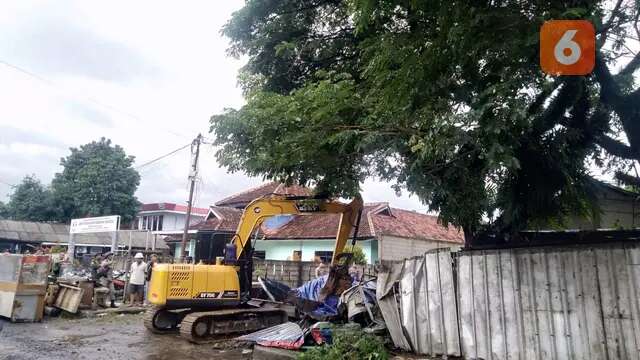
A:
(152, 261)
(148, 273)
(136, 279)
(105, 274)
(95, 266)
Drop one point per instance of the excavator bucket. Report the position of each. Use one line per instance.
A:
(339, 278)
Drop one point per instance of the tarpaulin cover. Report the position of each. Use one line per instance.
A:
(285, 336)
(311, 291)
(322, 332)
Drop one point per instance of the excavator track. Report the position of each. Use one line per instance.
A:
(159, 320)
(199, 327)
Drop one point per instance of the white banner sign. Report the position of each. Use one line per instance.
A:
(94, 225)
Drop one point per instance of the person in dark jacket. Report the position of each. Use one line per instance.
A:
(152, 261)
(105, 276)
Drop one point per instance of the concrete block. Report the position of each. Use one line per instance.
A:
(269, 353)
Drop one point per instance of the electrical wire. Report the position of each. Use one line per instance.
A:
(85, 98)
(162, 157)
(6, 183)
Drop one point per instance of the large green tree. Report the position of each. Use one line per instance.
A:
(97, 179)
(444, 98)
(30, 201)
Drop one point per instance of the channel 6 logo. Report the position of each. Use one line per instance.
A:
(567, 47)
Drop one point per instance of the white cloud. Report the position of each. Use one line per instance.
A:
(146, 74)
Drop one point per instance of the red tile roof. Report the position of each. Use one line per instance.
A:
(409, 224)
(377, 219)
(313, 226)
(243, 198)
(221, 219)
(172, 207)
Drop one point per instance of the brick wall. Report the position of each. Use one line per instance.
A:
(294, 273)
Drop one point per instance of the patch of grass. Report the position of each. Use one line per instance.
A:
(348, 346)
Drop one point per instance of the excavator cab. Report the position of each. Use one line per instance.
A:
(205, 300)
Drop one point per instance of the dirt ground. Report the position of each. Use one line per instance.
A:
(107, 337)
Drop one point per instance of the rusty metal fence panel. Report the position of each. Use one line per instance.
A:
(550, 303)
(428, 315)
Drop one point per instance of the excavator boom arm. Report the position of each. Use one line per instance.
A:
(260, 209)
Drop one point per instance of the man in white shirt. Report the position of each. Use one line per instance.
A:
(136, 279)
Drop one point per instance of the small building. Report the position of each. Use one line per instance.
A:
(166, 217)
(22, 236)
(385, 233)
(619, 209)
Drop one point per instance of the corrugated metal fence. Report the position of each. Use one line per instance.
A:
(550, 303)
(578, 302)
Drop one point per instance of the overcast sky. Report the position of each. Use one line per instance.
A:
(146, 74)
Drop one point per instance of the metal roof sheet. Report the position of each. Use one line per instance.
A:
(39, 232)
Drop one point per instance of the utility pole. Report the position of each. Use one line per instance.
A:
(192, 178)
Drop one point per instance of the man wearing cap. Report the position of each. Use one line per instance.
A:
(136, 279)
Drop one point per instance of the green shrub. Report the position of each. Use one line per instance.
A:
(348, 346)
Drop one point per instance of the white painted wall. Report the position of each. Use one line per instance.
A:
(283, 249)
(171, 221)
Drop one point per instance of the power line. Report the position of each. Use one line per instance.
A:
(6, 183)
(86, 98)
(163, 156)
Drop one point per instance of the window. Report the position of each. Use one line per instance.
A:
(152, 223)
(259, 254)
(323, 256)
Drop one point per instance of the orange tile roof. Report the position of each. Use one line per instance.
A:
(245, 197)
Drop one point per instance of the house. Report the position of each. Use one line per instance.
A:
(207, 237)
(21, 236)
(242, 199)
(619, 209)
(385, 233)
(166, 218)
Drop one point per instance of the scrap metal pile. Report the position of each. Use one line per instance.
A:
(328, 304)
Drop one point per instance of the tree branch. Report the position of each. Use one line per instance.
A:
(617, 148)
(627, 179)
(609, 89)
(609, 24)
(631, 67)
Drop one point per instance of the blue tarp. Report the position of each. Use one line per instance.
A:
(311, 291)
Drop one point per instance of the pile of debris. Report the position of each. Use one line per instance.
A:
(324, 308)
(73, 287)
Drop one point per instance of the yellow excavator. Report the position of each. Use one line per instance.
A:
(207, 300)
